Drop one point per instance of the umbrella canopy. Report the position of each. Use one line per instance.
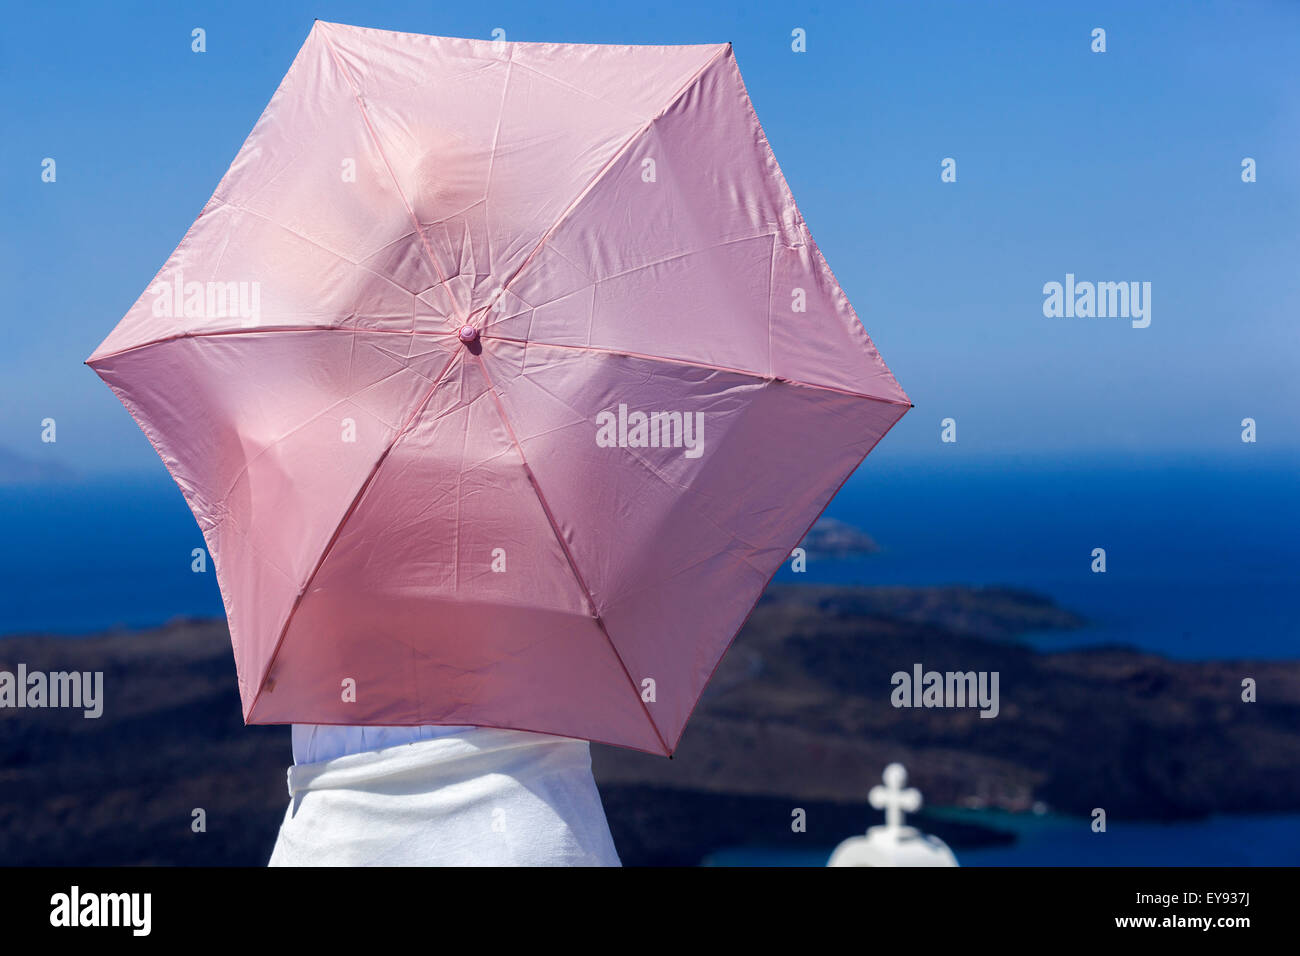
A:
(500, 378)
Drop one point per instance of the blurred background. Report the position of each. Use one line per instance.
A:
(1120, 690)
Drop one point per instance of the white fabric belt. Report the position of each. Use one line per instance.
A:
(481, 797)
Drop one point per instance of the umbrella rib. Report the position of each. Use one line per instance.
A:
(668, 483)
(600, 174)
(310, 421)
(829, 498)
(258, 331)
(573, 566)
(319, 245)
(379, 148)
(338, 529)
(686, 363)
(415, 296)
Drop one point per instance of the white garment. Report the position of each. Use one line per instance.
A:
(441, 796)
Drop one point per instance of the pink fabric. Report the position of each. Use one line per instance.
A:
(440, 518)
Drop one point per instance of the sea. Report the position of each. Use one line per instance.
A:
(1202, 558)
(1051, 840)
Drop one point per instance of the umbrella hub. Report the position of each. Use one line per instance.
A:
(468, 334)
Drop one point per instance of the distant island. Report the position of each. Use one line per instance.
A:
(835, 539)
(798, 715)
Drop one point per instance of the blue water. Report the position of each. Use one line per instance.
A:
(88, 556)
(1201, 558)
(1272, 840)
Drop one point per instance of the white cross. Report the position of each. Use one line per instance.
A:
(892, 798)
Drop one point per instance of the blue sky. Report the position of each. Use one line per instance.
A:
(1116, 166)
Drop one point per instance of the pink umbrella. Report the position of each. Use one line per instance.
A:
(500, 378)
